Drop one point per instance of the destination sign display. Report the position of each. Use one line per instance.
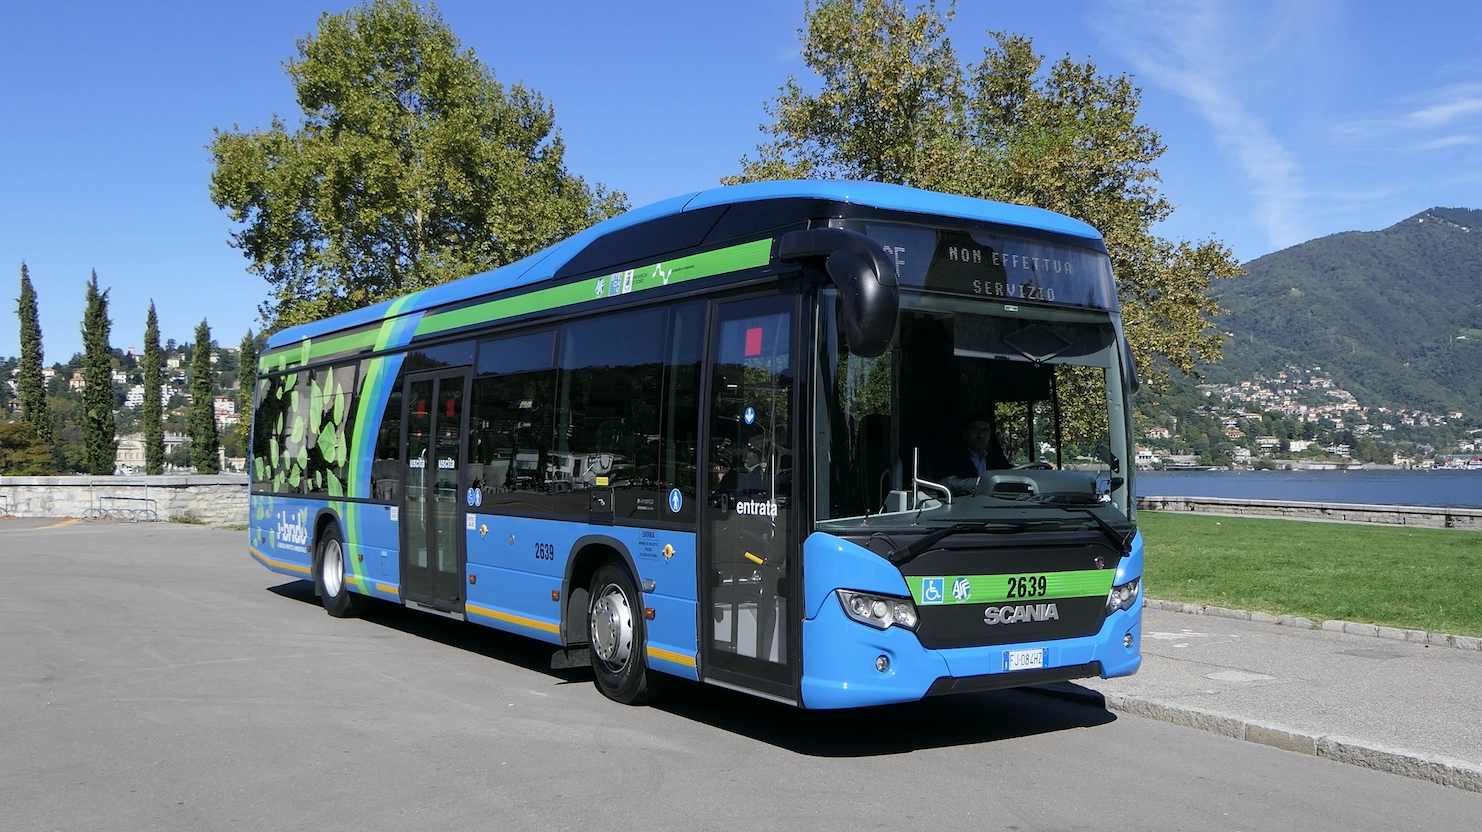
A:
(995, 267)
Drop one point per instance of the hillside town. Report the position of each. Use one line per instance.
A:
(1298, 418)
(65, 385)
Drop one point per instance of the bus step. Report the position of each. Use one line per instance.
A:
(570, 657)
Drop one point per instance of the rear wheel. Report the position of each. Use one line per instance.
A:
(329, 578)
(619, 639)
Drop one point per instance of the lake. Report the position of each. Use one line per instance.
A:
(1452, 488)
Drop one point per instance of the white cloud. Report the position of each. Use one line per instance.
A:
(1447, 141)
(1443, 114)
(1193, 50)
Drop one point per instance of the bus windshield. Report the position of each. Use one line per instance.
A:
(978, 411)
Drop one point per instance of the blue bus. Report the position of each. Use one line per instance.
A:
(833, 444)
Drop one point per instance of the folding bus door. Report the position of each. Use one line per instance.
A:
(432, 511)
(749, 571)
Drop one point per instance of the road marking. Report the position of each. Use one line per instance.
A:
(70, 521)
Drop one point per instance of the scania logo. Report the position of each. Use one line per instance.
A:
(1011, 614)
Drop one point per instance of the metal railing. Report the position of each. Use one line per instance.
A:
(132, 509)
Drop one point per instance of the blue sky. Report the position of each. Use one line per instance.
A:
(1284, 120)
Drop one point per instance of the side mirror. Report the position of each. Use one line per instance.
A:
(865, 278)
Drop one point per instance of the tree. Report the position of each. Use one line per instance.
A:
(246, 386)
(100, 447)
(412, 166)
(202, 423)
(30, 384)
(896, 106)
(23, 453)
(153, 416)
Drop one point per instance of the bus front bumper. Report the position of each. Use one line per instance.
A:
(842, 665)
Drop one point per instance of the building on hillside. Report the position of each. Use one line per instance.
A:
(1157, 433)
(225, 410)
(119, 377)
(1241, 456)
(129, 458)
(77, 382)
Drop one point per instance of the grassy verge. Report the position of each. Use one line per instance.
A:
(1423, 579)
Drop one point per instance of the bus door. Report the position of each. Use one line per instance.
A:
(749, 557)
(432, 534)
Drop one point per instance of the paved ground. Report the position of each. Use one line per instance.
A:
(1380, 692)
(155, 677)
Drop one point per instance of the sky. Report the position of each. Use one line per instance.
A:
(1284, 121)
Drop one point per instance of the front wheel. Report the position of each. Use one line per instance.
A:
(619, 640)
(329, 578)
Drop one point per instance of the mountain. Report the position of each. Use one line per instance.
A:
(1393, 316)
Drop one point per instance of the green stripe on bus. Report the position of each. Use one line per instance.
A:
(992, 589)
(693, 267)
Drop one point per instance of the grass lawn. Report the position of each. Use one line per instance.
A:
(1422, 579)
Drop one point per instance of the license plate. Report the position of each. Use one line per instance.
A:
(1023, 659)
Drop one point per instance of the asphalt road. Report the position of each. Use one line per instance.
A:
(155, 677)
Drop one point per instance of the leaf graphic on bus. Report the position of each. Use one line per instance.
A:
(339, 408)
(326, 446)
(335, 488)
(273, 451)
(293, 478)
(341, 449)
(296, 434)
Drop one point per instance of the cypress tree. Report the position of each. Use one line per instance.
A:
(202, 422)
(30, 385)
(246, 384)
(100, 447)
(154, 428)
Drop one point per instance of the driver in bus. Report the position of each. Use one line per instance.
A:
(979, 454)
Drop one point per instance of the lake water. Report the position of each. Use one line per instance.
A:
(1452, 488)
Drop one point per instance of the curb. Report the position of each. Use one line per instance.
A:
(1443, 771)
(1334, 626)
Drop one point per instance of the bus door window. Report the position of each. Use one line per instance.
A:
(750, 461)
(419, 430)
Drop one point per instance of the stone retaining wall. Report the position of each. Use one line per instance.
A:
(215, 499)
(1424, 516)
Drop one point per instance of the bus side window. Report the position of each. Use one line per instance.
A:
(510, 455)
(386, 464)
(607, 430)
(680, 454)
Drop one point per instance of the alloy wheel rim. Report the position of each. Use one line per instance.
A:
(611, 627)
(333, 569)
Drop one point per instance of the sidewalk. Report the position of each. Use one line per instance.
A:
(1393, 705)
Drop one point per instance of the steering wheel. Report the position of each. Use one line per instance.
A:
(1037, 465)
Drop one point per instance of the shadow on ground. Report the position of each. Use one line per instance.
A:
(938, 722)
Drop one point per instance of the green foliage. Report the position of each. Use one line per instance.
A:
(30, 385)
(99, 445)
(413, 166)
(154, 429)
(246, 386)
(1426, 579)
(1386, 313)
(896, 106)
(23, 453)
(201, 425)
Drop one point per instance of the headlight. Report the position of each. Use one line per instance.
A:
(1122, 597)
(879, 611)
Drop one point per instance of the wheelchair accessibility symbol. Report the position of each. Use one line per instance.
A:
(931, 590)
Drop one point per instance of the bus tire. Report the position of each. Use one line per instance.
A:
(619, 639)
(329, 577)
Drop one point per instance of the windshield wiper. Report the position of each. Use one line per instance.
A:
(911, 551)
(1123, 541)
